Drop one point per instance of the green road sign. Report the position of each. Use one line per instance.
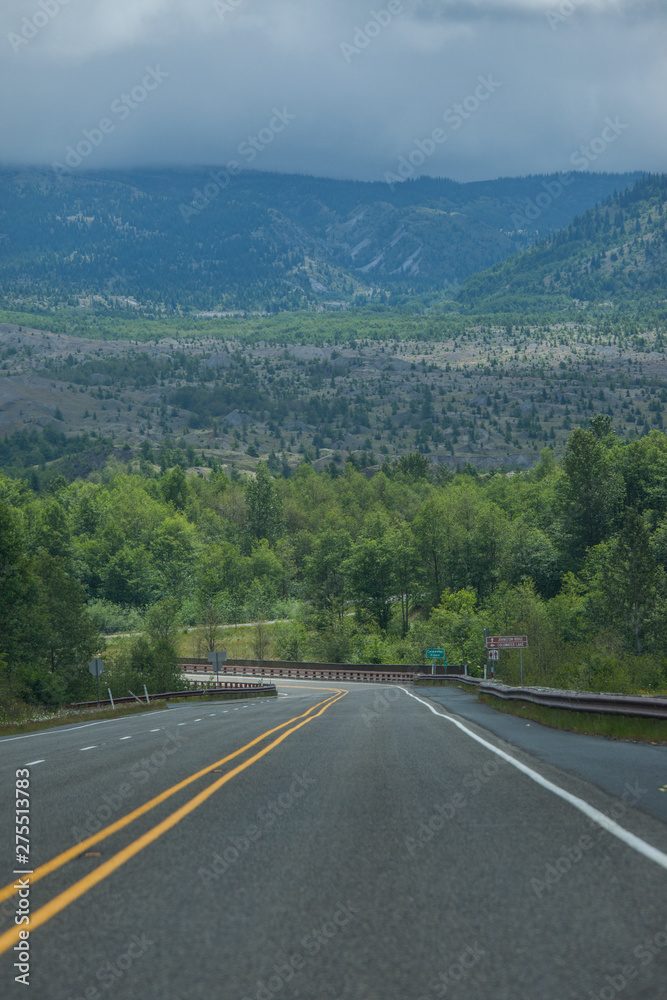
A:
(435, 654)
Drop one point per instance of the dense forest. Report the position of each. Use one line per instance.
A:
(364, 568)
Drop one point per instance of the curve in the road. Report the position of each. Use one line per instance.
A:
(610, 825)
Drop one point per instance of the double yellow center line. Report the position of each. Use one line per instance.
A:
(64, 899)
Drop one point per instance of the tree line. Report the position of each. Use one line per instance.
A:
(368, 568)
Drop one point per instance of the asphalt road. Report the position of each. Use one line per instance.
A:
(375, 848)
(618, 766)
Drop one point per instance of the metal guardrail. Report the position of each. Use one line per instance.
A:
(646, 706)
(582, 701)
(575, 701)
(229, 688)
(310, 673)
(449, 679)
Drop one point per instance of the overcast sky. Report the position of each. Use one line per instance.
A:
(185, 82)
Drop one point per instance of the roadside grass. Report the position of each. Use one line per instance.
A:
(617, 727)
(238, 641)
(469, 688)
(42, 719)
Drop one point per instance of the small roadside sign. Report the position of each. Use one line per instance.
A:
(506, 641)
(217, 657)
(435, 654)
(494, 654)
(96, 666)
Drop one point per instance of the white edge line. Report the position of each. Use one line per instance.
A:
(636, 843)
(84, 725)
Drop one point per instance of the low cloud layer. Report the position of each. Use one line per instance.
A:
(479, 89)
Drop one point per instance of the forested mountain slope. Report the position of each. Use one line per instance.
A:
(169, 240)
(614, 255)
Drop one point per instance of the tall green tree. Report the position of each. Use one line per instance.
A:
(457, 622)
(18, 586)
(326, 579)
(405, 568)
(591, 494)
(65, 634)
(431, 529)
(162, 624)
(264, 507)
(370, 573)
(627, 586)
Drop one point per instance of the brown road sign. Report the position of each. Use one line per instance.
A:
(506, 641)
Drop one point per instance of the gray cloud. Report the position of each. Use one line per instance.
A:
(363, 89)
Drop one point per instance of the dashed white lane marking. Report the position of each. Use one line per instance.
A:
(125, 738)
(33, 762)
(155, 730)
(211, 714)
(182, 723)
(196, 720)
(636, 843)
(85, 725)
(88, 748)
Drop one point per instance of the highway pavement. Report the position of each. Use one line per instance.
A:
(353, 842)
(618, 766)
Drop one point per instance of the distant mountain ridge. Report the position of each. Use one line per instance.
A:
(614, 256)
(172, 240)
